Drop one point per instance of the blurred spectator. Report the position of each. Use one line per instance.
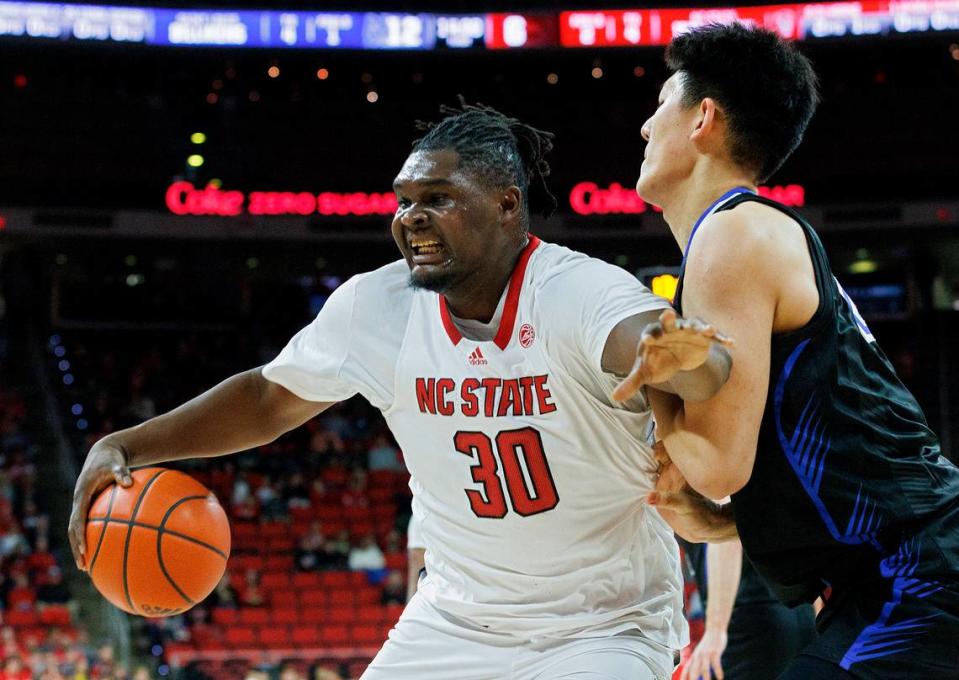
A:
(54, 590)
(246, 509)
(21, 596)
(296, 492)
(41, 559)
(271, 503)
(224, 595)
(309, 549)
(241, 489)
(142, 673)
(252, 594)
(14, 669)
(383, 455)
(324, 673)
(394, 588)
(366, 556)
(104, 666)
(355, 494)
(291, 672)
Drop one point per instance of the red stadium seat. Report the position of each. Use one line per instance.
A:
(21, 617)
(275, 580)
(254, 616)
(281, 544)
(300, 514)
(273, 529)
(357, 579)
(342, 615)
(361, 528)
(365, 635)
(284, 616)
(371, 614)
(278, 563)
(275, 636)
(335, 636)
(381, 497)
(305, 636)
(396, 561)
(225, 616)
(314, 597)
(55, 615)
(240, 636)
(335, 579)
(367, 595)
(284, 597)
(307, 579)
(393, 612)
(380, 479)
(314, 616)
(326, 513)
(342, 597)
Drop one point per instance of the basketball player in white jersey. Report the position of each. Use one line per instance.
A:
(492, 356)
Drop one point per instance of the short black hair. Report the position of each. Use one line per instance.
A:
(502, 151)
(767, 88)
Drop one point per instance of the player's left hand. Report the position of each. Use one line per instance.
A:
(706, 660)
(668, 346)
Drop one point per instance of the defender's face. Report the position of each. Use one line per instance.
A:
(669, 154)
(445, 223)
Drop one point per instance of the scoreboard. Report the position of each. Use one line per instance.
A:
(428, 31)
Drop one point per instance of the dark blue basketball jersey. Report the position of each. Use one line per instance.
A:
(848, 476)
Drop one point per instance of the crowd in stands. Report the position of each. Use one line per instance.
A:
(39, 635)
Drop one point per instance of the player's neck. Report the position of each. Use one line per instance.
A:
(478, 297)
(693, 196)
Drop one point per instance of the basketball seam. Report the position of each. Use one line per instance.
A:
(147, 525)
(126, 546)
(160, 531)
(96, 553)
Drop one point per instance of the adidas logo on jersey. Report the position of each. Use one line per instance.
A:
(476, 358)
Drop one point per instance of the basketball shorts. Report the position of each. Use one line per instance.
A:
(886, 630)
(427, 644)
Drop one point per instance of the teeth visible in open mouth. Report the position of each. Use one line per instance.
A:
(426, 247)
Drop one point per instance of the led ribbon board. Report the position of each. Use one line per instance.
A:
(426, 31)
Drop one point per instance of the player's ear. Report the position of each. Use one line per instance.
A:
(706, 121)
(511, 204)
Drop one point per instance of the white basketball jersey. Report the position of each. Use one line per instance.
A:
(528, 482)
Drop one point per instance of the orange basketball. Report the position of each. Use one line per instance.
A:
(158, 547)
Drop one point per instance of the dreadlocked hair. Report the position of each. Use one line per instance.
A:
(501, 150)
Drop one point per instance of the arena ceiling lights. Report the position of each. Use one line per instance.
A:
(424, 31)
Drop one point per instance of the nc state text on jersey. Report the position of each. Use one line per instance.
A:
(489, 397)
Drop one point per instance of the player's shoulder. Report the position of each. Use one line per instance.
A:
(752, 233)
(558, 268)
(381, 294)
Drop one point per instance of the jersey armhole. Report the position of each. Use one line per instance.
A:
(825, 284)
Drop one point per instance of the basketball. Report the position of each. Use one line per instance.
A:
(158, 547)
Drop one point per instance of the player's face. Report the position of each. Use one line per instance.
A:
(669, 155)
(446, 222)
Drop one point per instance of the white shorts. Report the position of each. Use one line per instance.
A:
(427, 644)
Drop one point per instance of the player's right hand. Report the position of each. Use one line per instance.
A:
(106, 463)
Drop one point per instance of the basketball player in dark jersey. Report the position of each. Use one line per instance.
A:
(838, 485)
(749, 634)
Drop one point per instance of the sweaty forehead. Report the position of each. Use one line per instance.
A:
(429, 167)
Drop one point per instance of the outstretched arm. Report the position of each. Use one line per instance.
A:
(685, 357)
(731, 281)
(242, 412)
(724, 563)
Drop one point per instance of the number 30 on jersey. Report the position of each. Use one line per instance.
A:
(529, 482)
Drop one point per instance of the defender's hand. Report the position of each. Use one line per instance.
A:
(668, 346)
(105, 464)
(706, 660)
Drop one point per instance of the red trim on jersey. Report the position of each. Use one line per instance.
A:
(505, 331)
(512, 295)
(451, 329)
